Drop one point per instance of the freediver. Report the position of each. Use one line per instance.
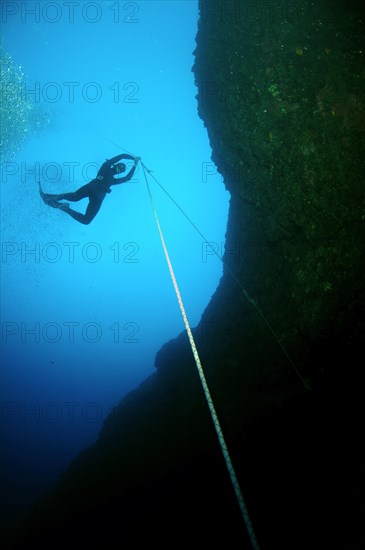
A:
(95, 190)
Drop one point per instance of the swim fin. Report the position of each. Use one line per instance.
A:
(47, 198)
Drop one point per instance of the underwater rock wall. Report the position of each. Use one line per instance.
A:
(281, 92)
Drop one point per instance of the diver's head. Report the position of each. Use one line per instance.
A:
(119, 168)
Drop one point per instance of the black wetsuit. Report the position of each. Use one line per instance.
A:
(96, 190)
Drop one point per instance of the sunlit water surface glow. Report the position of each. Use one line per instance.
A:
(86, 308)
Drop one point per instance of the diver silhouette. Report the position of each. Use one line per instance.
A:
(96, 189)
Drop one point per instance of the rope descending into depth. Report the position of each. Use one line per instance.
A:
(244, 291)
(212, 410)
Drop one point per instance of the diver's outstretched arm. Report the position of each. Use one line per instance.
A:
(109, 163)
(117, 181)
(118, 158)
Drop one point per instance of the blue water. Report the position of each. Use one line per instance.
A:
(86, 308)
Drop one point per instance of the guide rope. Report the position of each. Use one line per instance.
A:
(249, 298)
(207, 394)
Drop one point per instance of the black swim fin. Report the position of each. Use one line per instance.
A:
(47, 198)
(41, 190)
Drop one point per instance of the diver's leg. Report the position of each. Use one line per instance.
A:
(53, 199)
(81, 193)
(91, 211)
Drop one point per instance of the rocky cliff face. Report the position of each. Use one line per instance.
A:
(281, 93)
